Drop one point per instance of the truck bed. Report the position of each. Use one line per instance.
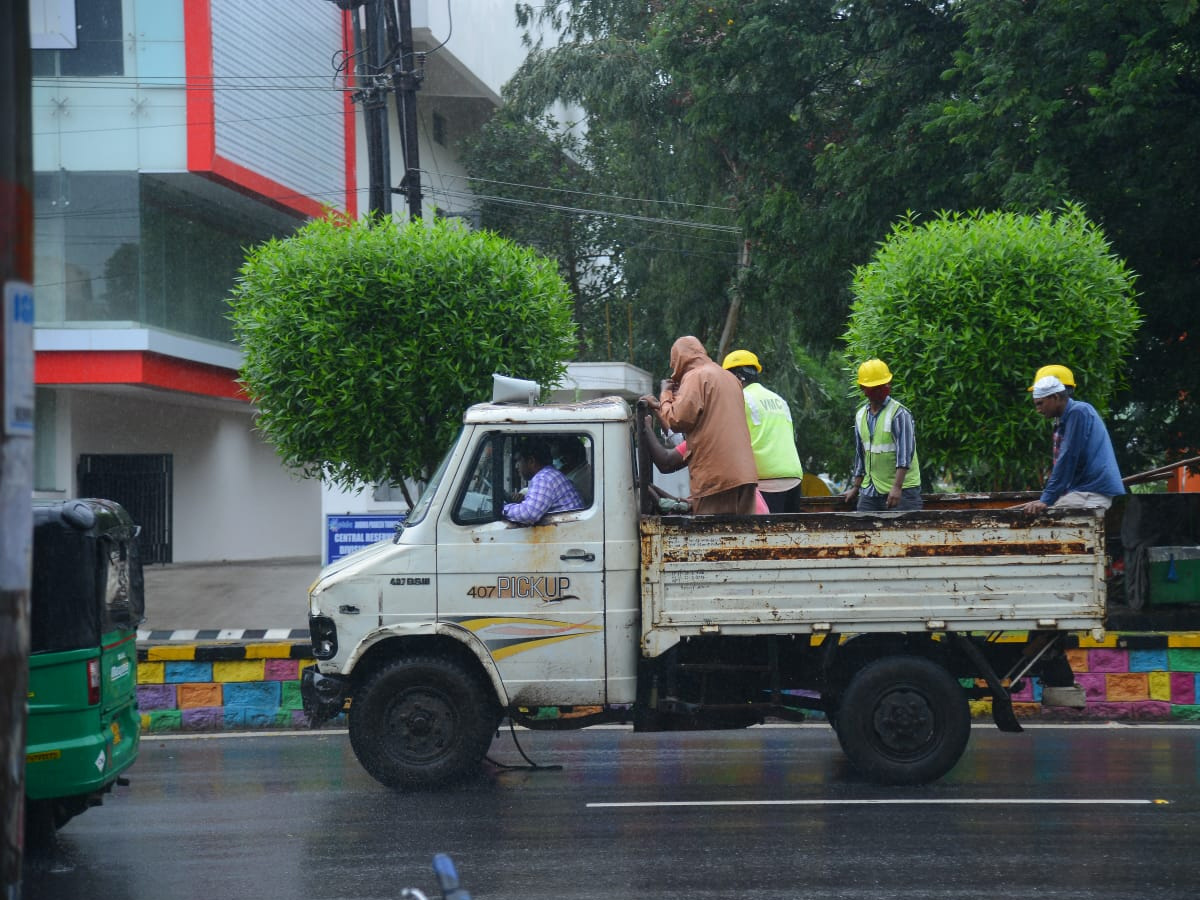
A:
(841, 572)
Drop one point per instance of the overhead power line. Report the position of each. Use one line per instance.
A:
(576, 210)
(590, 193)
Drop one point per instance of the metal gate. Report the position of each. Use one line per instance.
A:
(140, 482)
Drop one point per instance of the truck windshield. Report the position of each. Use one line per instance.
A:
(421, 507)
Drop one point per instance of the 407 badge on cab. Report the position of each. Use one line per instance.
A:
(546, 588)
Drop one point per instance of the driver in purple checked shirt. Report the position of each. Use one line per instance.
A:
(549, 489)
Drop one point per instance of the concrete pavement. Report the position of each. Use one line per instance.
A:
(269, 594)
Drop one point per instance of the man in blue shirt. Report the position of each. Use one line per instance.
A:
(549, 489)
(1085, 474)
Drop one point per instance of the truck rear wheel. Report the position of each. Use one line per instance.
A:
(903, 720)
(421, 722)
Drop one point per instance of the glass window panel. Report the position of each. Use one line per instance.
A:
(100, 48)
(45, 63)
(99, 20)
(93, 58)
(86, 238)
(192, 249)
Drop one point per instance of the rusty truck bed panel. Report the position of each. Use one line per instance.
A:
(946, 569)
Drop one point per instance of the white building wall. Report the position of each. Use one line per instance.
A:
(484, 35)
(220, 465)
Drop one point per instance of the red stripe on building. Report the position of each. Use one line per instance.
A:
(261, 187)
(138, 368)
(198, 61)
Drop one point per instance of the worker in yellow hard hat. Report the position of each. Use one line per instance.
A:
(772, 435)
(1062, 373)
(886, 474)
(1067, 377)
(1084, 473)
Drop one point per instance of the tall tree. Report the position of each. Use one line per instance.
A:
(844, 116)
(818, 123)
(677, 254)
(534, 185)
(672, 236)
(812, 102)
(1099, 101)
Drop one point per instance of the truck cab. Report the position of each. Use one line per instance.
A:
(566, 587)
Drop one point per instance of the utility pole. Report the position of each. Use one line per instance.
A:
(374, 101)
(735, 302)
(370, 59)
(16, 429)
(407, 72)
(388, 44)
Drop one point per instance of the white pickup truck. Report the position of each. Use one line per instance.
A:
(888, 623)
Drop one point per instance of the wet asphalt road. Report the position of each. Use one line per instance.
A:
(766, 812)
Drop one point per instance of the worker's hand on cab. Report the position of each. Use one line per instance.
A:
(1033, 507)
(851, 494)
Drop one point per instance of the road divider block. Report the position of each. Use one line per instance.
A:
(239, 685)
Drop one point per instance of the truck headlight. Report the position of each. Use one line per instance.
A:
(323, 633)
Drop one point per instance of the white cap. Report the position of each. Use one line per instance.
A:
(1047, 385)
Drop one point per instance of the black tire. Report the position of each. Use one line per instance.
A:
(903, 720)
(421, 722)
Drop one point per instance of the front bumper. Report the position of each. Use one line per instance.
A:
(323, 696)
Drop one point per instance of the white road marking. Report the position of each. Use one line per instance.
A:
(981, 801)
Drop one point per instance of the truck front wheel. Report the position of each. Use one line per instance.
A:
(903, 720)
(421, 722)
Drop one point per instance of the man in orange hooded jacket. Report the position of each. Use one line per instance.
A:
(704, 402)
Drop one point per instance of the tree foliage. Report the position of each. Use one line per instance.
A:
(664, 197)
(364, 340)
(530, 177)
(1098, 101)
(816, 124)
(967, 307)
(668, 198)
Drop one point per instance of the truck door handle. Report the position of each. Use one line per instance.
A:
(586, 557)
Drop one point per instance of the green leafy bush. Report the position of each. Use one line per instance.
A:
(365, 341)
(966, 308)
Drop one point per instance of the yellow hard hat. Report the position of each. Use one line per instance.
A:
(1062, 373)
(873, 373)
(739, 358)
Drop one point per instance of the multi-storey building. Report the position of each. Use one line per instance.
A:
(169, 135)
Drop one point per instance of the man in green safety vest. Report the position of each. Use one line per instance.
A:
(772, 435)
(886, 472)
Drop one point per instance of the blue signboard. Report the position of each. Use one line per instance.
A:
(345, 534)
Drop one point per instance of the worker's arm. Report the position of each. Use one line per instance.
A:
(664, 459)
(679, 409)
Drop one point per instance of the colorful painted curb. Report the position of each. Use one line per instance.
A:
(249, 685)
